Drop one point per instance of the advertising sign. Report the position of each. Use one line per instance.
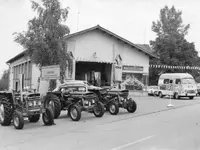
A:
(51, 72)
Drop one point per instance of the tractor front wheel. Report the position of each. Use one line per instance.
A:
(113, 108)
(18, 120)
(75, 112)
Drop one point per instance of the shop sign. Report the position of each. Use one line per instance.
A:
(51, 72)
(133, 68)
(118, 73)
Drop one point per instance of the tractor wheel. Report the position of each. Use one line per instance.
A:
(53, 101)
(132, 106)
(34, 118)
(176, 96)
(113, 108)
(75, 112)
(18, 120)
(48, 117)
(160, 95)
(98, 109)
(6, 111)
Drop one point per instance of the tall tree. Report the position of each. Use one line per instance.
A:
(170, 46)
(44, 40)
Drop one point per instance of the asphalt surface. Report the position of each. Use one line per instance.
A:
(153, 126)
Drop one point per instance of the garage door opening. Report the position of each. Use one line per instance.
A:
(98, 74)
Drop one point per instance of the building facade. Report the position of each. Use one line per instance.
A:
(99, 56)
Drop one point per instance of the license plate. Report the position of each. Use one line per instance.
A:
(89, 103)
(34, 103)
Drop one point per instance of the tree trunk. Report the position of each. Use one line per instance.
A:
(38, 86)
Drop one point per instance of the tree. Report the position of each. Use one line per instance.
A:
(4, 81)
(170, 46)
(44, 40)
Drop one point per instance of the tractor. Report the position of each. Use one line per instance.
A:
(16, 105)
(74, 98)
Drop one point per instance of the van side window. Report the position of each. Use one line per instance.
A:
(166, 81)
(178, 81)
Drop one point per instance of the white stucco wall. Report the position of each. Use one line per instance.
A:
(85, 45)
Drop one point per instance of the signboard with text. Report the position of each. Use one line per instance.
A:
(51, 72)
(132, 68)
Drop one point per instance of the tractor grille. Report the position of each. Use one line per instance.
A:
(34, 102)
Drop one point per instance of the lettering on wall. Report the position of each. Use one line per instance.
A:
(132, 68)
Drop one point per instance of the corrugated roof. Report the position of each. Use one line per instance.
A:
(141, 47)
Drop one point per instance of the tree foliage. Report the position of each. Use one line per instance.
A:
(170, 46)
(44, 40)
(4, 81)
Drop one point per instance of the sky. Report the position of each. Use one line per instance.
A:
(131, 19)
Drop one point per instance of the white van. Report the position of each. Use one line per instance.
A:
(177, 85)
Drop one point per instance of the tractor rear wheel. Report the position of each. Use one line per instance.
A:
(34, 118)
(132, 106)
(98, 109)
(6, 111)
(53, 101)
(48, 116)
(18, 120)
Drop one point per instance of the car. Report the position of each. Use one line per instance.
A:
(152, 90)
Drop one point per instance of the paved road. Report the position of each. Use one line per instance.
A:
(175, 129)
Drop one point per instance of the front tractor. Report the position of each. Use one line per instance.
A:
(74, 101)
(113, 99)
(123, 100)
(15, 106)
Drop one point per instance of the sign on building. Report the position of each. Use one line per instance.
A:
(133, 68)
(118, 73)
(51, 72)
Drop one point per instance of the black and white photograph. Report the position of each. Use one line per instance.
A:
(100, 75)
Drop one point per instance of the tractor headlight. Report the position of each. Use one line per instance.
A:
(39, 103)
(30, 104)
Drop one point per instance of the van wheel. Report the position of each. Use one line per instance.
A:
(191, 97)
(160, 95)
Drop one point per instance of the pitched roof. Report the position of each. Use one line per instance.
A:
(20, 55)
(141, 47)
(137, 46)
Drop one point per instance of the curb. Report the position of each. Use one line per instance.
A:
(149, 113)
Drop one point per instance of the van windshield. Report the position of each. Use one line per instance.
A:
(188, 81)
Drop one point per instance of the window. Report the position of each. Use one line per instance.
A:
(166, 81)
(178, 81)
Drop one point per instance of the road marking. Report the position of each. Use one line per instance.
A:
(132, 143)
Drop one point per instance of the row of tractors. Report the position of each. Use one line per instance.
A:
(73, 96)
